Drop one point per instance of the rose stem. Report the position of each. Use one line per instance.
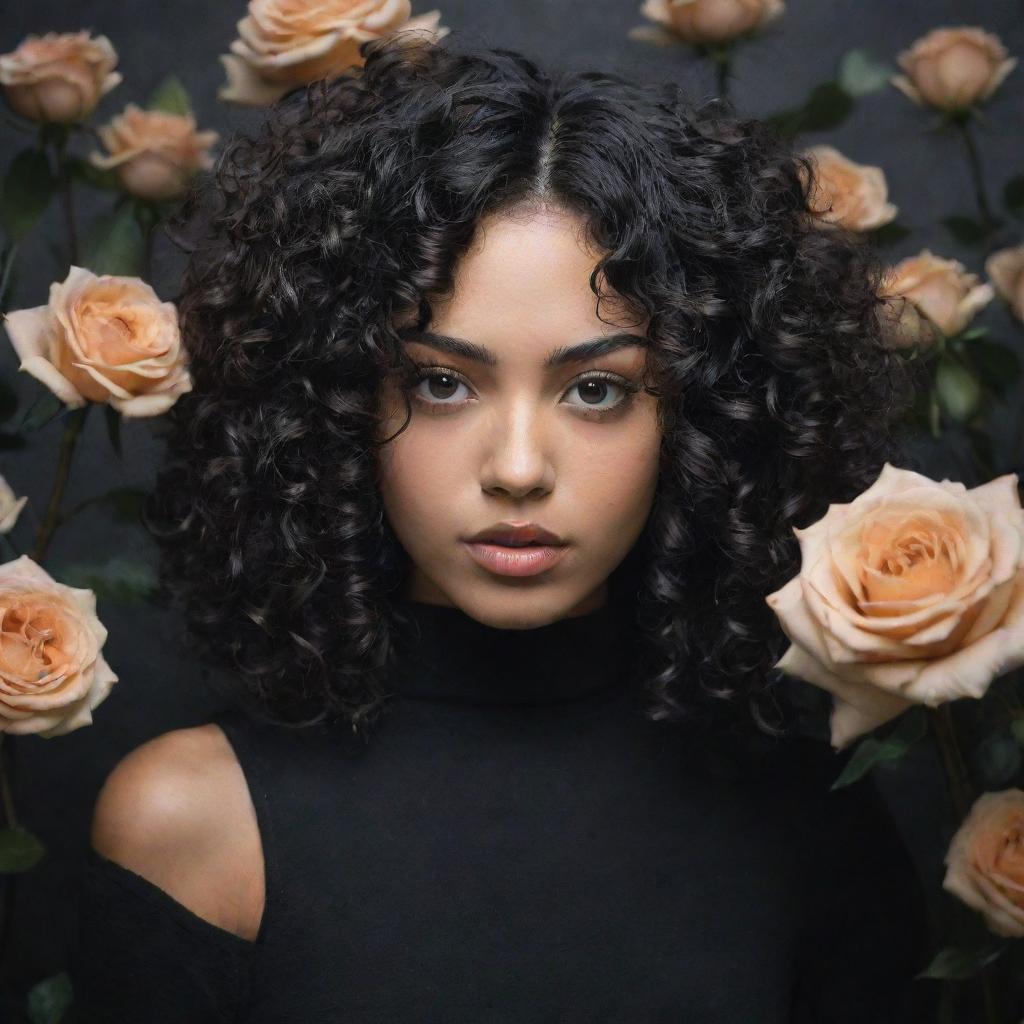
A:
(5, 276)
(66, 195)
(945, 735)
(9, 815)
(960, 120)
(720, 55)
(73, 427)
(944, 730)
(9, 879)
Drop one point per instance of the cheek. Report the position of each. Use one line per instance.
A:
(622, 486)
(416, 487)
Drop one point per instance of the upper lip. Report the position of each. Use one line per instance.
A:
(517, 533)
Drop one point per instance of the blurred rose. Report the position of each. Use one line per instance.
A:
(58, 77)
(705, 21)
(845, 193)
(1005, 268)
(286, 43)
(10, 506)
(155, 153)
(985, 861)
(904, 326)
(52, 671)
(953, 68)
(911, 593)
(941, 289)
(103, 339)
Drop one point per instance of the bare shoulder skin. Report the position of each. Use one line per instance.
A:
(177, 810)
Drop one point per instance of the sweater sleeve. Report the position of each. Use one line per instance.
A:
(866, 927)
(140, 955)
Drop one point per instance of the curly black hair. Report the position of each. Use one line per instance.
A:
(352, 204)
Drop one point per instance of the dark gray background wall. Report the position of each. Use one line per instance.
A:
(55, 781)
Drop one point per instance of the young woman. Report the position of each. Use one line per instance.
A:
(509, 389)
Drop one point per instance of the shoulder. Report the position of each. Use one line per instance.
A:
(177, 810)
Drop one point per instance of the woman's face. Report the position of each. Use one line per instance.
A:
(517, 441)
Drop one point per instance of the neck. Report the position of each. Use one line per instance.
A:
(443, 653)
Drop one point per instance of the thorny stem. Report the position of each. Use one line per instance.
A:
(67, 447)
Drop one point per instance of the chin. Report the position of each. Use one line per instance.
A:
(525, 608)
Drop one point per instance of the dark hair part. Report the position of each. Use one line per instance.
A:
(352, 204)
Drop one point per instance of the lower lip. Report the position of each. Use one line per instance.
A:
(506, 561)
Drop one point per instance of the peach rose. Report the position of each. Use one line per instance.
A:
(911, 593)
(953, 68)
(156, 153)
(52, 671)
(1005, 268)
(58, 77)
(904, 326)
(705, 21)
(103, 339)
(941, 289)
(10, 506)
(286, 43)
(985, 861)
(851, 195)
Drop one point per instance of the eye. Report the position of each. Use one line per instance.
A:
(594, 385)
(446, 379)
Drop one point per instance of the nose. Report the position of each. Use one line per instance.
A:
(517, 462)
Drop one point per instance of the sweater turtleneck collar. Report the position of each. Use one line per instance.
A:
(442, 653)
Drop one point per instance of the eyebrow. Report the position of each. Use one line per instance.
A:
(557, 357)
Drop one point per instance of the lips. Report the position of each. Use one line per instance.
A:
(515, 535)
(503, 560)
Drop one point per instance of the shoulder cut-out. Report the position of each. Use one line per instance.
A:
(176, 810)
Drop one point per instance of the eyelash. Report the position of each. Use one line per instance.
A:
(424, 372)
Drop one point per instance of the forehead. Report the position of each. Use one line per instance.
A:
(525, 282)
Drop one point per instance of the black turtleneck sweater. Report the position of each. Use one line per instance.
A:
(517, 842)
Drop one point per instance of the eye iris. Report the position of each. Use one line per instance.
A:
(600, 384)
(435, 377)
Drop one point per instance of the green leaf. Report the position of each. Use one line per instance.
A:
(958, 389)
(170, 96)
(49, 999)
(27, 189)
(965, 230)
(826, 108)
(860, 74)
(19, 850)
(113, 420)
(8, 401)
(120, 580)
(45, 408)
(998, 759)
(1013, 195)
(11, 442)
(889, 234)
(910, 728)
(971, 333)
(1017, 730)
(125, 503)
(114, 244)
(959, 962)
(98, 177)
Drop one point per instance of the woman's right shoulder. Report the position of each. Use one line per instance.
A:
(177, 810)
